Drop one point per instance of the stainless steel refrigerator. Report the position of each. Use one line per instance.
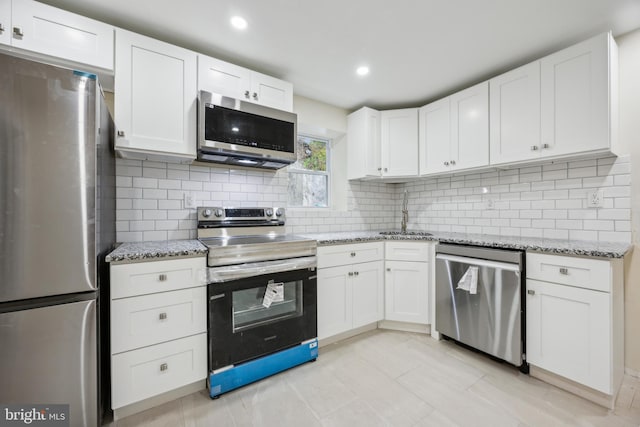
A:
(57, 222)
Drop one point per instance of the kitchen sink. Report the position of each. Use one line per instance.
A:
(405, 233)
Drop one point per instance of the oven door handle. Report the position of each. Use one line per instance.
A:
(242, 271)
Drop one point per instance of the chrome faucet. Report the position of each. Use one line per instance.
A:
(405, 212)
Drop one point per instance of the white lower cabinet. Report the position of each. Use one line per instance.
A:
(350, 293)
(407, 274)
(158, 328)
(575, 319)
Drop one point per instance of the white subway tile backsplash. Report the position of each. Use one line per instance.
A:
(537, 201)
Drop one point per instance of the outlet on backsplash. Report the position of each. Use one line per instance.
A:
(595, 199)
(490, 203)
(189, 201)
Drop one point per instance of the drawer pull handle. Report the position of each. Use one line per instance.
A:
(531, 292)
(353, 254)
(164, 367)
(17, 32)
(564, 270)
(350, 273)
(356, 273)
(163, 316)
(162, 277)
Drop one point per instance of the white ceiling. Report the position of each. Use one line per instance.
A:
(418, 50)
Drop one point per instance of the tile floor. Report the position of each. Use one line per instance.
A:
(387, 378)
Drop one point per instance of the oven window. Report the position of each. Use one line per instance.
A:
(251, 307)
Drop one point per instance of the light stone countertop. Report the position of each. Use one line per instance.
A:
(150, 251)
(557, 246)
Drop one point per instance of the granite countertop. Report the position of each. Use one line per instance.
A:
(143, 251)
(558, 246)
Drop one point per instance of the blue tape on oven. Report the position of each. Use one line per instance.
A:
(254, 370)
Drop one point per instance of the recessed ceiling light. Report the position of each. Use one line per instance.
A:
(239, 22)
(362, 71)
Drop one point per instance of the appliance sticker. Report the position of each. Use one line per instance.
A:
(273, 293)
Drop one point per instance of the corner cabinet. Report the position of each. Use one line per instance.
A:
(155, 99)
(227, 79)
(158, 328)
(382, 144)
(43, 29)
(561, 105)
(575, 322)
(350, 287)
(407, 272)
(454, 132)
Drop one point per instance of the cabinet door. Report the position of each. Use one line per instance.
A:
(470, 127)
(62, 34)
(435, 137)
(575, 98)
(399, 141)
(271, 92)
(5, 22)
(223, 78)
(368, 293)
(155, 102)
(406, 291)
(568, 333)
(335, 311)
(363, 144)
(514, 116)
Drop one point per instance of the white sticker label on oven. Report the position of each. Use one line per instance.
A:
(273, 293)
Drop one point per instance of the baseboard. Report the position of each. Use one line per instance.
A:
(348, 334)
(158, 400)
(404, 326)
(583, 391)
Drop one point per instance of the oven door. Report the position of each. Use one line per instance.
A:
(244, 324)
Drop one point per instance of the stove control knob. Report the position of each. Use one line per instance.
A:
(279, 212)
(269, 212)
(206, 213)
(219, 213)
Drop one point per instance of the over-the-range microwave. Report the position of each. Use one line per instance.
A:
(240, 133)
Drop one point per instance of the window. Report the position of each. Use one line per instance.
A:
(309, 175)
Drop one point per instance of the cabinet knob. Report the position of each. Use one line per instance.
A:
(163, 316)
(453, 162)
(17, 32)
(388, 269)
(531, 292)
(534, 148)
(164, 367)
(355, 273)
(564, 270)
(162, 277)
(379, 169)
(446, 163)
(545, 145)
(121, 133)
(1, 29)
(255, 96)
(246, 94)
(386, 170)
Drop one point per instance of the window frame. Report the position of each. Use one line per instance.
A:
(326, 173)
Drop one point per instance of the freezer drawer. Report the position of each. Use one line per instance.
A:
(48, 356)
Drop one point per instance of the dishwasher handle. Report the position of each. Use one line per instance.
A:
(480, 262)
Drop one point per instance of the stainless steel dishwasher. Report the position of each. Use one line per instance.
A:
(479, 299)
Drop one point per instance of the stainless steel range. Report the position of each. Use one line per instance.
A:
(262, 295)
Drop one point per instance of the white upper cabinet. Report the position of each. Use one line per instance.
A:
(399, 142)
(44, 29)
(5, 22)
(578, 92)
(514, 116)
(455, 131)
(227, 79)
(382, 144)
(363, 144)
(155, 99)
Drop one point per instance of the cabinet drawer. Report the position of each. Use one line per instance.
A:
(333, 256)
(157, 276)
(407, 251)
(151, 319)
(580, 272)
(143, 373)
